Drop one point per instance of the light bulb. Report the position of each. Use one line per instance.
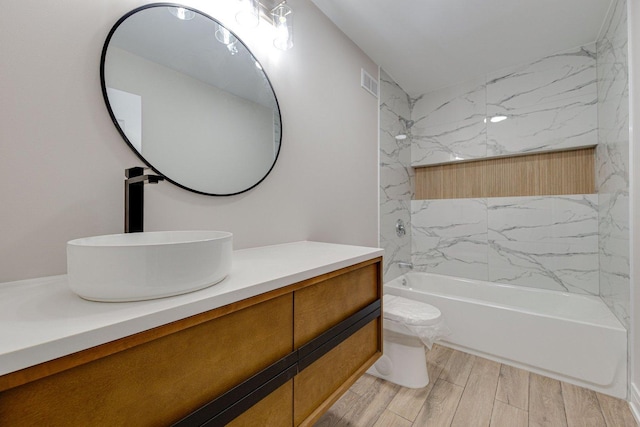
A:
(283, 21)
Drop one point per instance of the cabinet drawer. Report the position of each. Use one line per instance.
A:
(326, 379)
(325, 304)
(160, 381)
(275, 410)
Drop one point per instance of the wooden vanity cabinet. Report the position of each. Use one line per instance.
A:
(318, 308)
(304, 345)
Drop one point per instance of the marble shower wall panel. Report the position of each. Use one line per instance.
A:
(396, 176)
(449, 124)
(548, 242)
(551, 104)
(612, 163)
(450, 237)
(545, 242)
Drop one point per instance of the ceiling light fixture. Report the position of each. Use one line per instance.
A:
(283, 21)
(182, 13)
(249, 12)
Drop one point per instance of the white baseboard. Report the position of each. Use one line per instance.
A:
(634, 402)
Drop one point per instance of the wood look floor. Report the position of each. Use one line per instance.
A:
(467, 391)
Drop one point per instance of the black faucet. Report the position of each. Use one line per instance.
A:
(134, 198)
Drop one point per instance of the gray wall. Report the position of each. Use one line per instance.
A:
(62, 161)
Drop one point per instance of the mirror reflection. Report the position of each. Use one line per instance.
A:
(191, 100)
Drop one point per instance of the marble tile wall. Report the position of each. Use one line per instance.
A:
(550, 103)
(396, 176)
(548, 242)
(449, 237)
(449, 124)
(612, 162)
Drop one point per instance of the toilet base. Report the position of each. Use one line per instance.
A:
(403, 363)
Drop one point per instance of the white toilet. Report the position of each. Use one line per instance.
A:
(408, 326)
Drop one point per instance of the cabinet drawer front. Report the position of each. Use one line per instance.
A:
(161, 381)
(274, 410)
(325, 304)
(321, 383)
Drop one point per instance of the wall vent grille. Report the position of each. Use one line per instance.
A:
(368, 83)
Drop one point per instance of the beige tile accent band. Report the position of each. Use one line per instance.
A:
(542, 174)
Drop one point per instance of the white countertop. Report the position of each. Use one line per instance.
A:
(41, 319)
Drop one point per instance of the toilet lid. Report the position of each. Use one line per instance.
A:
(409, 312)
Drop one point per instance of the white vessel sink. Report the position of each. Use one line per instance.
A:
(141, 266)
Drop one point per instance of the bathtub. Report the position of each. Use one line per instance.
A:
(569, 337)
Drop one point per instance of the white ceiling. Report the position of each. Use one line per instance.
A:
(429, 44)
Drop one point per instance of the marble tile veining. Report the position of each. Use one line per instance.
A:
(568, 123)
(466, 101)
(548, 242)
(396, 176)
(612, 162)
(450, 237)
(548, 80)
(550, 104)
(568, 267)
(571, 219)
(449, 142)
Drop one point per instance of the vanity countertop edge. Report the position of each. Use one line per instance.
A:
(42, 319)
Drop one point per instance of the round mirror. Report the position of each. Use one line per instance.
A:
(190, 99)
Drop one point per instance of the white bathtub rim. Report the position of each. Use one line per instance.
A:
(617, 327)
(589, 297)
(612, 321)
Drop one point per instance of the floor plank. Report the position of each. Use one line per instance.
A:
(362, 385)
(513, 387)
(408, 401)
(546, 407)
(458, 368)
(519, 399)
(440, 406)
(389, 419)
(616, 411)
(477, 399)
(439, 356)
(371, 405)
(582, 407)
(338, 410)
(505, 415)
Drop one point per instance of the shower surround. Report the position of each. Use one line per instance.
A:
(612, 162)
(396, 176)
(576, 243)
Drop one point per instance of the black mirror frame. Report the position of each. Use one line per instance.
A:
(121, 132)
